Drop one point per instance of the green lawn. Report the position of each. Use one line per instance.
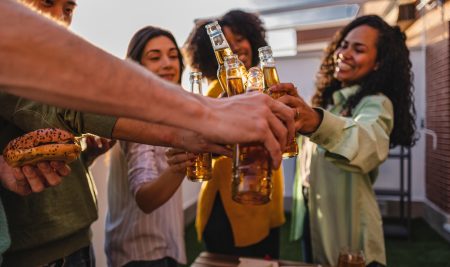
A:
(425, 248)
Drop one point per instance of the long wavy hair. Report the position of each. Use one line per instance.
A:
(392, 78)
(199, 51)
(142, 37)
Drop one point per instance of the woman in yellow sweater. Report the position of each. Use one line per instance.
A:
(225, 226)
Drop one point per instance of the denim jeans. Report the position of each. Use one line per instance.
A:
(83, 257)
(165, 262)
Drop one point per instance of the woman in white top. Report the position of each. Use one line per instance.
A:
(145, 224)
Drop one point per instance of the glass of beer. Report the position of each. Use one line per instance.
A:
(351, 258)
(202, 169)
(251, 181)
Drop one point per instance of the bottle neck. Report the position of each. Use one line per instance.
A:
(196, 87)
(267, 62)
(222, 53)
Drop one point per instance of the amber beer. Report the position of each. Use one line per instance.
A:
(202, 168)
(251, 181)
(235, 86)
(221, 51)
(234, 81)
(271, 78)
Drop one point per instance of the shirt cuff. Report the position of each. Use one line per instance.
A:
(99, 124)
(330, 130)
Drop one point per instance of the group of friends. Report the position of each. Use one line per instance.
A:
(49, 77)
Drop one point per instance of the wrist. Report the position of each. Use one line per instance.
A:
(314, 123)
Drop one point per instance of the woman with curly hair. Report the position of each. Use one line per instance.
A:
(226, 226)
(362, 107)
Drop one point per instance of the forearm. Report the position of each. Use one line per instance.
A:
(359, 143)
(155, 193)
(145, 133)
(90, 79)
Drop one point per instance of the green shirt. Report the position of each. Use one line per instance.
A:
(340, 162)
(54, 223)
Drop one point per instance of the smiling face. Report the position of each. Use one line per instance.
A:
(61, 10)
(356, 56)
(160, 56)
(239, 45)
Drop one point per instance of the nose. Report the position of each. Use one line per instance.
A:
(166, 62)
(234, 47)
(344, 53)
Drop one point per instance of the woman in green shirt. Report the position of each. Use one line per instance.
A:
(363, 106)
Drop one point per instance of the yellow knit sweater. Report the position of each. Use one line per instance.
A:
(250, 224)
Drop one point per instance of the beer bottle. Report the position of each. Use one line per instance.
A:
(221, 50)
(201, 170)
(251, 181)
(271, 78)
(234, 77)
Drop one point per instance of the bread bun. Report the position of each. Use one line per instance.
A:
(42, 144)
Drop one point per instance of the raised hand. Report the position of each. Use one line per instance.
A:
(96, 146)
(251, 118)
(179, 159)
(307, 119)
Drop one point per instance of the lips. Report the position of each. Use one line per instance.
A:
(242, 57)
(167, 76)
(343, 66)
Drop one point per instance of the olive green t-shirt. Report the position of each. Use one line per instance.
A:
(54, 223)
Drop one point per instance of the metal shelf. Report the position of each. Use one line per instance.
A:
(403, 227)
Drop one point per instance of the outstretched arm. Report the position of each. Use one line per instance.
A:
(90, 79)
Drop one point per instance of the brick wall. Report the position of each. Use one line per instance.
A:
(438, 120)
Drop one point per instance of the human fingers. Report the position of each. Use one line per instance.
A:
(209, 147)
(34, 180)
(274, 149)
(287, 88)
(196, 142)
(181, 166)
(49, 174)
(90, 141)
(219, 149)
(173, 151)
(60, 167)
(21, 184)
(175, 159)
(286, 115)
(298, 107)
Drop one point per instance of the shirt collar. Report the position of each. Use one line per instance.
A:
(343, 94)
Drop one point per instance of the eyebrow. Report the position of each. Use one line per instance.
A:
(159, 51)
(153, 51)
(72, 3)
(355, 43)
(361, 44)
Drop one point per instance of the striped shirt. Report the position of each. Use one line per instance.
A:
(132, 235)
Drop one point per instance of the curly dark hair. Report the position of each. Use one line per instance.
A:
(140, 40)
(393, 77)
(198, 49)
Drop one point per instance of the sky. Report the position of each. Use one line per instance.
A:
(110, 24)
